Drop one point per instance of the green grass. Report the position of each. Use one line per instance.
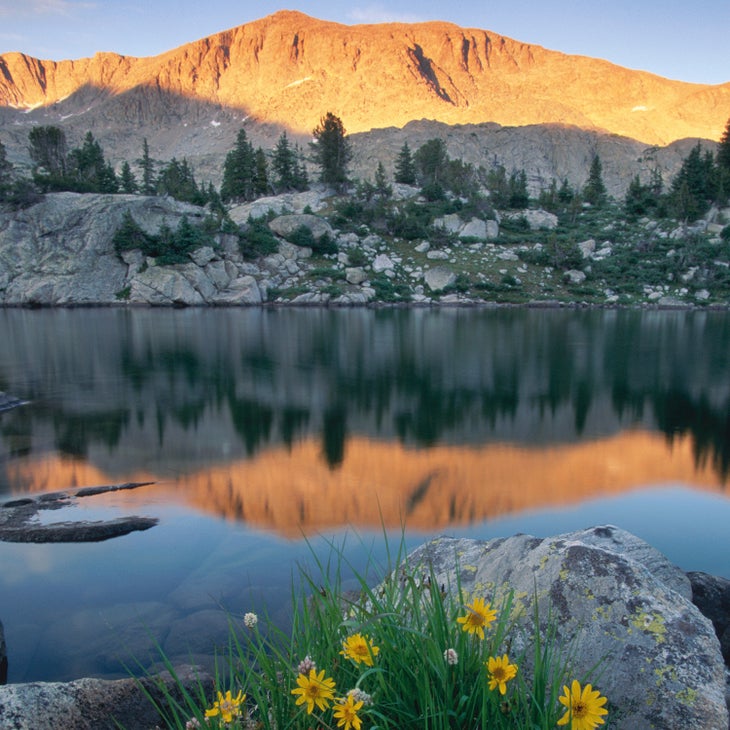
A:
(420, 668)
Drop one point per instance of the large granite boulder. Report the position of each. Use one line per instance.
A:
(613, 598)
(94, 704)
(286, 225)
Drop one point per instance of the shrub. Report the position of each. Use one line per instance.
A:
(256, 240)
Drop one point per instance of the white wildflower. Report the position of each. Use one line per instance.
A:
(451, 657)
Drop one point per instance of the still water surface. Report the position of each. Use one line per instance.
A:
(270, 433)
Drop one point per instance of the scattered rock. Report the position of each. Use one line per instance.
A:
(355, 275)
(382, 263)
(587, 248)
(573, 276)
(286, 225)
(439, 278)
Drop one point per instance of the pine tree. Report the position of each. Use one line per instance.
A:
(148, 170)
(239, 171)
(430, 162)
(331, 150)
(518, 195)
(498, 186)
(48, 152)
(284, 163)
(405, 171)
(5, 173)
(382, 188)
(177, 180)
(594, 191)
(261, 179)
(695, 185)
(127, 181)
(723, 150)
(88, 171)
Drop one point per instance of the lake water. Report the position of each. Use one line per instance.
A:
(270, 433)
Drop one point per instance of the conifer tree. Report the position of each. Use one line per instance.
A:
(261, 177)
(127, 181)
(430, 162)
(177, 180)
(148, 170)
(239, 171)
(594, 191)
(723, 150)
(48, 151)
(518, 195)
(405, 171)
(88, 171)
(382, 188)
(284, 164)
(5, 173)
(695, 185)
(331, 150)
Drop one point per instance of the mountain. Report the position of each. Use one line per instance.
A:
(287, 70)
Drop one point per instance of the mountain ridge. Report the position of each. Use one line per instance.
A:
(289, 69)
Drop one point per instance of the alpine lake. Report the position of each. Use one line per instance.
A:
(266, 436)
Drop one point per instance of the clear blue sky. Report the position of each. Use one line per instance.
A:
(673, 38)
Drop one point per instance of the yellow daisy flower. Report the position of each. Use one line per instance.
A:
(345, 712)
(360, 649)
(314, 689)
(227, 706)
(500, 672)
(480, 615)
(584, 707)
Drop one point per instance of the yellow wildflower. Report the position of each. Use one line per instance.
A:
(500, 672)
(584, 708)
(480, 615)
(227, 706)
(345, 712)
(360, 649)
(314, 689)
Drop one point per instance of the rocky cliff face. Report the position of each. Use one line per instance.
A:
(289, 69)
(285, 71)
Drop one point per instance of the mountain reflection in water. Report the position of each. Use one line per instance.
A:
(260, 426)
(293, 491)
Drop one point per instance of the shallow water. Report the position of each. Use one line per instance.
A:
(269, 433)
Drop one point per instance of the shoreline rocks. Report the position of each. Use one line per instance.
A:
(612, 599)
(17, 518)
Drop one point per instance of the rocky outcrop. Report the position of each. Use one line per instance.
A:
(97, 704)
(622, 609)
(60, 252)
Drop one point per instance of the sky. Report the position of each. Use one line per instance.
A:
(677, 39)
